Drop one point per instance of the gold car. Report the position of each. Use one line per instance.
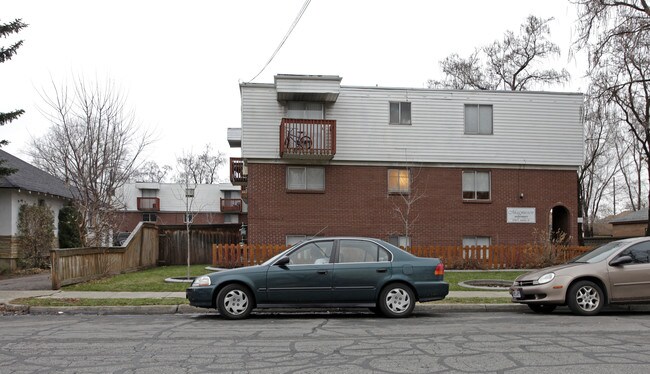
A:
(615, 273)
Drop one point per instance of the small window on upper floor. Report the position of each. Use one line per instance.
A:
(303, 178)
(399, 181)
(400, 113)
(149, 217)
(478, 119)
(476, 185)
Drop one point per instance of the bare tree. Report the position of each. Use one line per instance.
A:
(631, 168)
(597, 169)
(93, 145)
(405, 204)
(200, 168)
(617, 36)
(514, 63)
(151, 172)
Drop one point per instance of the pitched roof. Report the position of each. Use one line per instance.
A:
(31, 178)
(632, 217)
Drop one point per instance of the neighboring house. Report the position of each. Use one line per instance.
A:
(630, 224)
(478, 167)
(28, 185)
(172, 204)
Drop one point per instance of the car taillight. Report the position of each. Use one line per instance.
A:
(440, 269)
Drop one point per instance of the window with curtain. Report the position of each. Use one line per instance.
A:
(399, 181)
(400, 113)
(476, 185)
(478, 119)
(304, 178)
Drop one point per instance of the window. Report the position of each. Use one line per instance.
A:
(305, 110)
(476, 185)
(640, 253)
(149, 193)
(399, 181)
(189, 192)
(188, 218)
(400, 113)
(230, 218)
(400, 241)
(478, 241)
(361, 251)
(316, 253)
(149, 217)
(478, 119)
(300, 178)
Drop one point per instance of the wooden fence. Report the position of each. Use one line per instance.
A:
(173, 243)
(76, 265)
(454, 257)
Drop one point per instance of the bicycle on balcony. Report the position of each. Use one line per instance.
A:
(296, 139)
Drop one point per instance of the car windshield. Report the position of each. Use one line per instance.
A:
(600, 253)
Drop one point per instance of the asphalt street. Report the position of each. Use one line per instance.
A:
(429, 342)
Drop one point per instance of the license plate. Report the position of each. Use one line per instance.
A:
(516, 294)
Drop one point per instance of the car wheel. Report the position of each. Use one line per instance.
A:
(542, 308)
(234, 302)
(396, 300)
(585, 298)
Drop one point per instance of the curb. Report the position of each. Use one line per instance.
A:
(188, 309)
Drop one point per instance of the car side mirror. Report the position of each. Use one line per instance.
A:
(283, 261)
(621, 261)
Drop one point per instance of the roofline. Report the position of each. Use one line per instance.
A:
(272, 85)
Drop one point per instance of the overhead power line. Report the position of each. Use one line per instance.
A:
(286, 36)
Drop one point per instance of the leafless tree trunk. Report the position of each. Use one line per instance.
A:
(405, 205)
(93, 145)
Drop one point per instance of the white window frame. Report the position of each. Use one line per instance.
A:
(481, 129)
(188, 217)
(400, 189)
(400, 120)
(476, 198)
(401, 241)
(149, 215)
(305, 184)
(475, 240)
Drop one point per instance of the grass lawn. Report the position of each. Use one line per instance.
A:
(455, 277)
(150, 280)
(46, 301)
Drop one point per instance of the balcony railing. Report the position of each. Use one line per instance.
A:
(238, 175)
(231, 205)
(148, 204)
(307, 138)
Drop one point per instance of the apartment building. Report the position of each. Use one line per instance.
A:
(409, 165)
(176, 204)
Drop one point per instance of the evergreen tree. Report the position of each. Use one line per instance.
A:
(7, 29)
(69, 228)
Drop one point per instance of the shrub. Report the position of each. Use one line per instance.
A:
(35, 235)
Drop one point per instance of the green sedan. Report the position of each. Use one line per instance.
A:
(340, 272)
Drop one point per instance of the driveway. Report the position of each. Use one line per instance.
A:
(35, 282)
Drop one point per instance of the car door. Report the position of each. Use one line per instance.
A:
(307, 278)
(361, 267)
(631, 282)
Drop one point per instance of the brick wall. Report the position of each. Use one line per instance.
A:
(356, 202)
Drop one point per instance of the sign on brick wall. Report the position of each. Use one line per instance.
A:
(520, 215)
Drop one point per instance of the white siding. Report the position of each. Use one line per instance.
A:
(530, 128)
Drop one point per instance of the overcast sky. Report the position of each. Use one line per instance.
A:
(180, 62)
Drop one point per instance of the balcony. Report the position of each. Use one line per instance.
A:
(307, 139)
(231, 205)
(148, 204)
(238, 172)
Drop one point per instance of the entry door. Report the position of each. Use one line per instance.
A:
(307, 278)
(631, 282)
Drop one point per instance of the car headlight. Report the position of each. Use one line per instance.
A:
(546, 278)
(201, 281)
